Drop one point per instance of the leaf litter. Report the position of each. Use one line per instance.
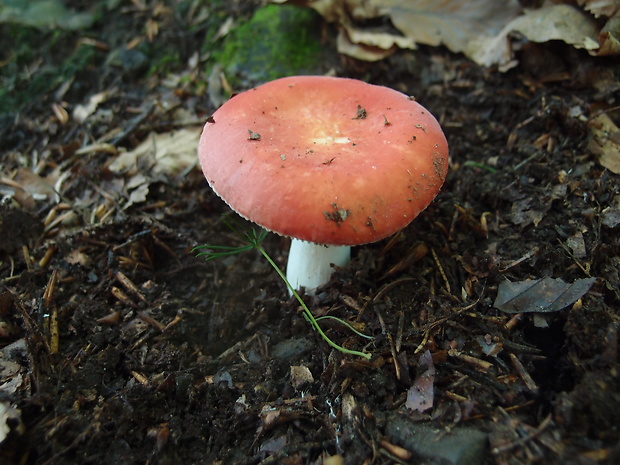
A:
(486, 31)
(118, 346)
(540, 295)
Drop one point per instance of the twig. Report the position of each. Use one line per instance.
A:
(512, 445)
(133, 124)
(129, 285)
(441, 271)
(525, 376)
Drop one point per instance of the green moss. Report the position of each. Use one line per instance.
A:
(277, 41)
(17, 86)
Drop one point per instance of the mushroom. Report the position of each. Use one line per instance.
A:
(330, 162)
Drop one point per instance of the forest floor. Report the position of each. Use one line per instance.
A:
(119, 346)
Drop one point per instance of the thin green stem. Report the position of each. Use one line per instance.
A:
(307, 311)
(479, 165)
(254, 242)
(342, 322)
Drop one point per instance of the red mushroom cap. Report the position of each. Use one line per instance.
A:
(327, 160)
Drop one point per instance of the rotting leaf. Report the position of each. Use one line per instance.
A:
(420, 395)
(540, 295)
(610, 217)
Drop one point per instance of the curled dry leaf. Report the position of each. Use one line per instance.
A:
(558, 22)
(540, 295)
(83, 111)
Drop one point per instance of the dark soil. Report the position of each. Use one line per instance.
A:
(119, 346)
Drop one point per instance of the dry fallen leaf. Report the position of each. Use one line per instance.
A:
(604, 142)
(10, 420)
(609, 37)
(601, 7)
(540, 295)
(301, 377)
(558, 22)
(453, 23)
(138, 189)
(81, 112)
(480, 29)
(361, 51)
(169, 153)
(553, 22)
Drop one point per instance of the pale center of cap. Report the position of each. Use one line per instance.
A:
(331, 140)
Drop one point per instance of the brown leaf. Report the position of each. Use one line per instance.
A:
(609, 37)
(604, 142)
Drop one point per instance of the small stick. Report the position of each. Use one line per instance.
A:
(177, 319)
(45, 260)
(510, 324)
(481, 364)
(392, 347)
(27, 257)
(389, 286)
(139, 377)
(48, 294)
(395, 450)
(129, 285)
(422, 344)
(120, 295)
(401, 327)
(54, 333)
(525, 376)
(151, 321)
(508, 447)
(513, 263)
(441, 271)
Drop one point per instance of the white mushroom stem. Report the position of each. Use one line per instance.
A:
(310, 265)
